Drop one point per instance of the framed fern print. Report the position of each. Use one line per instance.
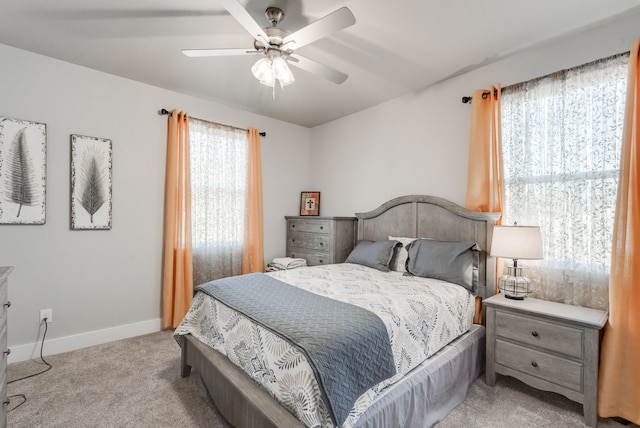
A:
(23, 165)
(90, 183)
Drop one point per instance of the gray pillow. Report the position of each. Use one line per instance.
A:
(452, 261)
(374, 254)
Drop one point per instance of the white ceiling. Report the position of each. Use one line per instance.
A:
(393, 49)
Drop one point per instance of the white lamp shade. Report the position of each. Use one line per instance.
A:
(517, 242)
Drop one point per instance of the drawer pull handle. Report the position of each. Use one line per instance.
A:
(8, 304)
(293, 226)
(534, 333)
(534, 364)
(6, 402)
(293, 240)
(321, 244)
(7, 352)
(321, 227)
(321, 261)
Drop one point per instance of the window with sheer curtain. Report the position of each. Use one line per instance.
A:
(561, 141)
(219, 186)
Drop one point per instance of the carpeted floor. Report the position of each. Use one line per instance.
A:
(136, 383)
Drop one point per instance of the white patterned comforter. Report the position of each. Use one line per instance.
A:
(421, 315)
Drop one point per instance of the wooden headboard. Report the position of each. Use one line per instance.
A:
(419, 216)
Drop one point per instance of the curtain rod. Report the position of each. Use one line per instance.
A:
(466, 100)
(168, 113)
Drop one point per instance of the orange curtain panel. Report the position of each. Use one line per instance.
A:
(485, 181)
(253, 249)
(177, 280)
(619, 381)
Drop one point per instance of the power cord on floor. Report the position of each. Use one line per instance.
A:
(49, 366)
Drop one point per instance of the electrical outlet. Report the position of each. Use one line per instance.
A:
(46, 313)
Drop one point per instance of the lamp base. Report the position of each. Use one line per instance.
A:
(513, 285)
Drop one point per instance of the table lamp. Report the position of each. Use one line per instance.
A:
(516, 242)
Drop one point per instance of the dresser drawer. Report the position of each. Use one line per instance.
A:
(3, 385)
(542, 334)
(3, 341)
(552, 368)
(314, 226)
(309, 241)
(3, 304)
(3, 294)
(4, 314)
(312, 258)
(3, 399)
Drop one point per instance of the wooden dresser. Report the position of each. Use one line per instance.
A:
(547, 345)
(320, 240)
(4, 306)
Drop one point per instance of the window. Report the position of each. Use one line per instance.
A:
(219, 173)
(561, 142)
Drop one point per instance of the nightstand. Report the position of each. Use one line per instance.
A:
(320, 240)
(547, 345)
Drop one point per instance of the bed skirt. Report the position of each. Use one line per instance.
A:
(424, 397)
(430, 391)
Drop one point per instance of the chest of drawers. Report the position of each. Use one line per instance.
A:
(547, 345)
(320, 240)
(4, 306)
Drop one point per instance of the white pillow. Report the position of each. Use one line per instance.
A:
(399, 260)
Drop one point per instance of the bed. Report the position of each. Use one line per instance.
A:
(421, 392)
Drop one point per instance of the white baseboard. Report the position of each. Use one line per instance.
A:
(82, 340)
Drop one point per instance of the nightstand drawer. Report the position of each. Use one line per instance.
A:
(551, 368)
(542, 334)
(309, 241)
(314, 226)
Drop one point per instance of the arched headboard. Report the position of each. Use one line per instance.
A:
(421, 216)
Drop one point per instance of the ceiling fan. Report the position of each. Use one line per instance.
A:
(277, 45)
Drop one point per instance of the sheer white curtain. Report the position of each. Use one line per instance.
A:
(561, 140)
(219, 185)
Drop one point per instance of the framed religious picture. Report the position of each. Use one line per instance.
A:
(310, 203)
(90, 183)
(23, 165)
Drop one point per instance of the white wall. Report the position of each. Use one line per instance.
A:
(418, 144)
(104, 285)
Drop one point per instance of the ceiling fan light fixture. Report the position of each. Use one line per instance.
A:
(269, 80)
(271, 68)
(282, 71)
(262, 68)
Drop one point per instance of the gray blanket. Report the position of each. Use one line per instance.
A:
(348, 347)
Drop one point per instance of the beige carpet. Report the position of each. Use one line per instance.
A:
(136, 383)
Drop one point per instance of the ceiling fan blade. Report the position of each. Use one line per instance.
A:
(218, 52)
(335, 21)
(318, 69)
(242, 16)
